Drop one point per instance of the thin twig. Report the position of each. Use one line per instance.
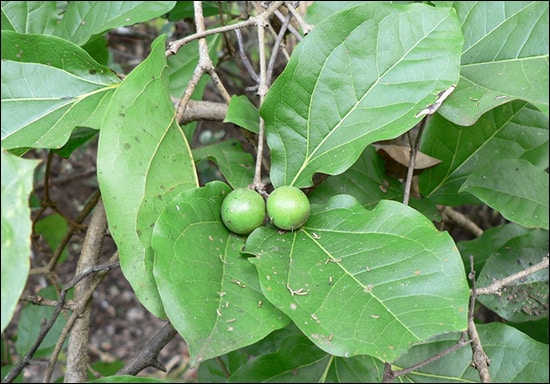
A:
(496, 286)
(257, 184)
(461, 220)
(389, 374)
(45, 329)
(81, 306)
(480, 360)
(277, 47)
(174, 46)
(68, 235)
(148, 355)
(306, 28)
(244, 57)
(412, 159)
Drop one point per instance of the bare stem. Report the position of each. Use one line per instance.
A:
(496, 286)
(412, 159)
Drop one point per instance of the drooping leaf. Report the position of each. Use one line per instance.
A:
(49, 87)
(385, 262)
(143, 161)
(515, 358)
(17, 182)
(360, 76)
(505, 58)
(525, 299)
(84, 19)
(210, 291)
(236, 165)
(515, 188)
(243, 113)
(515, 130)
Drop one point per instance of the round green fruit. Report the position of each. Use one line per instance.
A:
(243, 210)
(288, 208)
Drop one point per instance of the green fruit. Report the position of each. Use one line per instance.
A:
(243, 210)
(288, 207)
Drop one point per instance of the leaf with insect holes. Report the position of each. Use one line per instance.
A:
(359, 282)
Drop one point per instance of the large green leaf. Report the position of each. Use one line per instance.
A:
(515, 130)
(363, 282)
(515, 188)
(83, 19)
(360, 76)
(17, 182)
(515, 358)
(524, 299)
(143, 161)
(505, 57)
(210, 291)
(49, 87)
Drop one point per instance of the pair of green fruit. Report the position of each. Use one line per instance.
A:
(243, 209)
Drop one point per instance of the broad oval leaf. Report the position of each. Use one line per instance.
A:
(360, 282)
(505, 58)
(515, 188)
(143, 161)
(17, 183)
(210, 291)
(49, 87)
(360, 76)
(515, 130)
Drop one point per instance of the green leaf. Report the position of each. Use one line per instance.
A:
(320, 10)
(17, 183)
(243, 113)
(512, 131)
(53, 228)
(236, 165)
(386, 262)
(297, 361)
(49, 87)
(143, 161)
(525, 299)
(515, 358)
(84, 19)
(39, 17)
(28, 331)
(210, 291)
(351, 82)
(489, 243)
(515, 188)
(365, 180)
(505, 58)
